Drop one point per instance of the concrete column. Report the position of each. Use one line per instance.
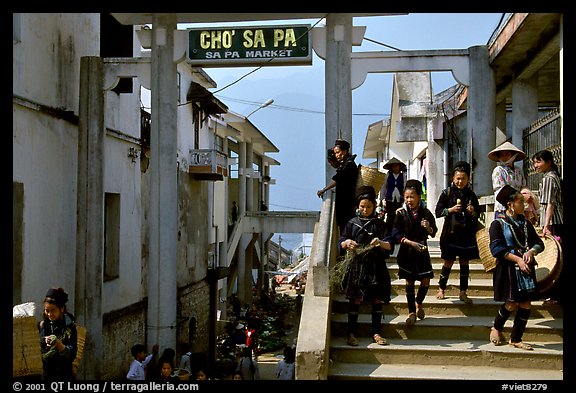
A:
(242, 178)
(241, 268)
(242, 244)
(162, 294)
(501, 123)
(524, 107)
(338, 90)
(90, 214)
(250, 179)
(248, 248)
(247, 242)
(434, 168)
(481, 117)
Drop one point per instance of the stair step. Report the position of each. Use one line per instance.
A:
(476, 269)
(452, 341)
(476, 287)
(451, 305)
(377, 371)
(546, 355)
(449, 327)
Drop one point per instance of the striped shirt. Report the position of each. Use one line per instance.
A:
(551, 192)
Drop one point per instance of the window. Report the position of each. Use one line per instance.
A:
(178, 84)
(219, 143)
(116, 40)
(111, 236)
(17, 240)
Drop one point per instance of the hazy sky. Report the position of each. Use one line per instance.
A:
(295, 121)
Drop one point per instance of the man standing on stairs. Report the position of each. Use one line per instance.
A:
(459, 206)
(514, 243)
(413, 225)
(367, 278)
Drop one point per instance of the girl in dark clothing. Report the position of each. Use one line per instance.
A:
(367, 276)
(459, 206)
(58, 337)
(413, 224)
(514, 243)
(345, 182)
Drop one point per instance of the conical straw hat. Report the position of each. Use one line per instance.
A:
(394, 160)
(507, 146)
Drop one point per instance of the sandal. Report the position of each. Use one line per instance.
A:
(522, 345)
(352, 340)
(378, 339)
(496, 337)
(464, 297)
(440, 294)
(420, 313)
(411, 320)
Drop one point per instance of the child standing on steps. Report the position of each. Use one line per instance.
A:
(514, 243)
(413, 224)
(367, 278)
(459, 206)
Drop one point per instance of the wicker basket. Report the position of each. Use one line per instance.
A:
(368, 176)
(81, 340)
(26, 353)
(483, 241)
(549, 264)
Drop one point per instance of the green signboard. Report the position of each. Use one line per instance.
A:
(249, 46)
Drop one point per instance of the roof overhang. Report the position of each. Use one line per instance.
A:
(206, 100)
(135, 18)
(376, 138)
(249, 132)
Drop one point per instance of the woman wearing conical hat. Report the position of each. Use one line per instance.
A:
(392, 191)
(506, 173)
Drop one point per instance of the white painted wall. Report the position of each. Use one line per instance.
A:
(46, 70)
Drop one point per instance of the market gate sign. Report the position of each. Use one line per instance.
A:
(249, 46)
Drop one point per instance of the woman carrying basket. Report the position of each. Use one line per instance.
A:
(514, 243)
(367, 277)
(345, 183)
(58, 337)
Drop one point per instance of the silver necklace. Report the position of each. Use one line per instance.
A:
(525, 227)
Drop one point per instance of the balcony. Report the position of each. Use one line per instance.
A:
(208, 164)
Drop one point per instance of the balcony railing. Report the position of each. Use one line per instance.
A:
(208, 164)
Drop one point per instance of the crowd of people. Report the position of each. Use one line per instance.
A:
(367, 239)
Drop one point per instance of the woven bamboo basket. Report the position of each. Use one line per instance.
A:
(549, 264)
(26, 353)
(81, 340)
(483, 241)
(368, 176)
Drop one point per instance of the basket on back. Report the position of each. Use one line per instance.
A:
(483, 241)
(81, 340)
(368, 176)
(26, 354)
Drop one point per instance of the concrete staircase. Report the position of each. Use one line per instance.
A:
(452, 342)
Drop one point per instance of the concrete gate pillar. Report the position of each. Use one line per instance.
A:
(338, 91)
(524, 108)
(162, 291)
(481, 117)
